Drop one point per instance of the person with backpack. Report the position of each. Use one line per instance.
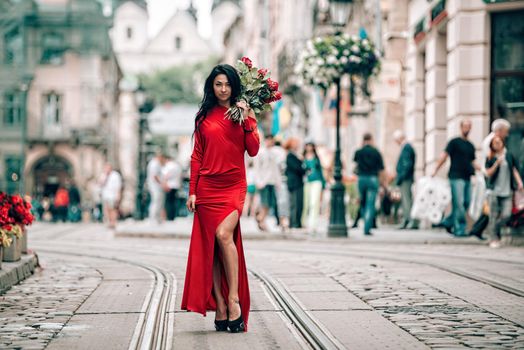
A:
(61, 204)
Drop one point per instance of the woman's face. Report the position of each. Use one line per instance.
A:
(309, 148)
(497, 144)
(222, 88)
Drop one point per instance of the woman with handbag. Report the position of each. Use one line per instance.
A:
(502, 179)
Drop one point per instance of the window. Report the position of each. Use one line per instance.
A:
(52, 48)
(13, 47)
(12, 168)
(178, 43)
(129, 32)
(52, 109)
(507, 73)
(12, 109)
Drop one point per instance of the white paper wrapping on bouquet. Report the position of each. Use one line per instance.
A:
(433, 195)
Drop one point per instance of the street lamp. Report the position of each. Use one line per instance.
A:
(145, 105)
(340, 11)
(24, 88)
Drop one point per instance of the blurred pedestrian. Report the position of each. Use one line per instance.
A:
(94, 197)
(499, 127)
(154, 185)
(462, 155)
(75, 206)
(281, 187)
(216, 276)
(502, 179)
(370, 165)
(313, 187)
(268, 178)
(172, 183)
(111, 189)
(295, 172)
(37, 209)
(61, 204)
(404, 179)
(250, 203)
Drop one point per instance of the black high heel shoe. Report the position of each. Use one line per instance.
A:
(237, 325)
(221, 326)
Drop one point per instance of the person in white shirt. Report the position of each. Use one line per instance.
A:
(172, 182)
(267, 180)
(111, 184)
(154, 185)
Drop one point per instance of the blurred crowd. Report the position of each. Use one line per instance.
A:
(290, 182)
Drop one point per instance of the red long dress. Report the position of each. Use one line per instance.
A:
(218, 179)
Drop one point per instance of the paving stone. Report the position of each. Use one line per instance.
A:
(439, 319)
(34, 311)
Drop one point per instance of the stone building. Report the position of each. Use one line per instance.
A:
(178, 42)
(60, 102)
(464, 60)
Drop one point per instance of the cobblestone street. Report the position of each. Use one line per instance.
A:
(95, 290)
(36, 311)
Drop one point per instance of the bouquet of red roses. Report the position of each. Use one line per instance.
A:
(257, 90)
(15, 212)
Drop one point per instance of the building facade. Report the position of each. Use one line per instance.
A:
(178, 42)
(59, 56)
(464, 60)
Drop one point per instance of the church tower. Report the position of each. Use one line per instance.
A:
(129, 33)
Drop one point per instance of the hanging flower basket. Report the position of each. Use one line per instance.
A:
(326, 59)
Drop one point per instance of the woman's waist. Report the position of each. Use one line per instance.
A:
(228, 178)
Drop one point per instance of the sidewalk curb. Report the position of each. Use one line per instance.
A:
(13, 273)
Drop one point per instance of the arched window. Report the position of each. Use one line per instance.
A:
(52, 109)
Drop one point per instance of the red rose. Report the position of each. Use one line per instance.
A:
(262, 72)
(273, 85)
(8, 227)
(277, 96)
(17, 199)
(247, 62)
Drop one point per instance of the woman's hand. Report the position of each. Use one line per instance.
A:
(190, 203)
(246, 110)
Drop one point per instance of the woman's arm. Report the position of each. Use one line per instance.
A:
(518, 178)
(491, 167)
(251, 136)
(196, 161)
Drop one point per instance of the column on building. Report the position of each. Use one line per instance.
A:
(394, 51)
(468, 67)
(128, 141)
(414, 97)
(435, 97)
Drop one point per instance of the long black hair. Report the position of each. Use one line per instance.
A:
(314, 147)
(210, 100)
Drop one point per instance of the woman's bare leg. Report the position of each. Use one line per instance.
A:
(224, 236)
(221, 313)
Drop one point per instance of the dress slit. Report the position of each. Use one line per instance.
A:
(216, 250)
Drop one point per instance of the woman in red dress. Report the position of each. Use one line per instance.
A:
(216, 275)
